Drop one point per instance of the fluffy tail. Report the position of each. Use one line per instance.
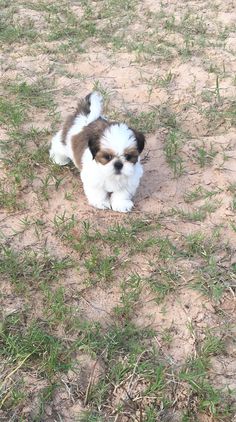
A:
(95, 102)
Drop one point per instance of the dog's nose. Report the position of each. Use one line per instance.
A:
(118, 166)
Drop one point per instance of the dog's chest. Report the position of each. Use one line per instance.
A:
(115, 183)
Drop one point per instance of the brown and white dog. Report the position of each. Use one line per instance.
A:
(106, 153)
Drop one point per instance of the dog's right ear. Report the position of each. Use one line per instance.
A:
(94, 133)
(94, 144)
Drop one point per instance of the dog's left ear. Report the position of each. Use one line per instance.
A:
(140, 139)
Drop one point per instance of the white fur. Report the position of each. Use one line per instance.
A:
(103, 187)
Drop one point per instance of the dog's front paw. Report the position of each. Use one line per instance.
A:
(101, 205)
(122, 206)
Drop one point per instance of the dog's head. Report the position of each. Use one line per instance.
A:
(115, 147)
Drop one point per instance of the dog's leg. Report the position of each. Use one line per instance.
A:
(121, 201)
(58, 152)
(97, 197)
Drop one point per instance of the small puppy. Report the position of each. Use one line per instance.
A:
(106, 153)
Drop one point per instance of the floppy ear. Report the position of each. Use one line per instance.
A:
(93, 134)
(140, 139)
(93, 143)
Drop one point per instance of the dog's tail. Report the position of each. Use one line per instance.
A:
(95, 103)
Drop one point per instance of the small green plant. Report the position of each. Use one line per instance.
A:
(131, 290)
(233, 204)
(11, 113)
(9, 197)
(99, 267)
(205, 157)
(34, 343)
(145, 121)
(198, 214)
(30, 267)
(163, 282)
(172, 149)
(200, 193)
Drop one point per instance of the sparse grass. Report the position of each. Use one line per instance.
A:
(15, 33)
(163, 282)
(33, 343)
(28, 268)
(200, 193)
(8, 197)
(144, 121)
(172, 148)
(11, 113)
(37, 94)
(99, 268)
(198, 214)
(205, 156)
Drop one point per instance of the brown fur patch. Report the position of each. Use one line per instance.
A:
(83, 107)
(89, 137)
(104, 156)
(131, 155)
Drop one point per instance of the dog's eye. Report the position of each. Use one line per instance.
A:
(107, 157)
(128, 157)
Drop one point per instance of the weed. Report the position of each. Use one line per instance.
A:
(232, 187)
(12, 114)
(33, 343)
(45, 397)
(37, 94)
(131, 290)
(200, 193)
(31, 267)
(163, 282)
(9, 198)
(233, 205)
(14, 33)
(91, 416)
(144, 121)
(100, 267)
(198, 214)
(205, 157)
(57, 310)
(172, 148)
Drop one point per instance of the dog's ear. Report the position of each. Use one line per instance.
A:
(94, 133)
(140, 139)
(93, 143)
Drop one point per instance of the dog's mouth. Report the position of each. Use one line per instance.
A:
(118, 172)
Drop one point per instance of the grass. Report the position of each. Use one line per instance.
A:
(30, 267)
(197, 214)
(8, 198)
(111, 317)
(200, 193)
(11, 113)
(205, 157)
(35, 95)
(144, 121)
(163, 282)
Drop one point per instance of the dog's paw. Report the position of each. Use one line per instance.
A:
(101, 205)
(59, 159)
(122, 206)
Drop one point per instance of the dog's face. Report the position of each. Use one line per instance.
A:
(116, 149)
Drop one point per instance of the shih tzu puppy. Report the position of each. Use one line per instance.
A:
(106, 153)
